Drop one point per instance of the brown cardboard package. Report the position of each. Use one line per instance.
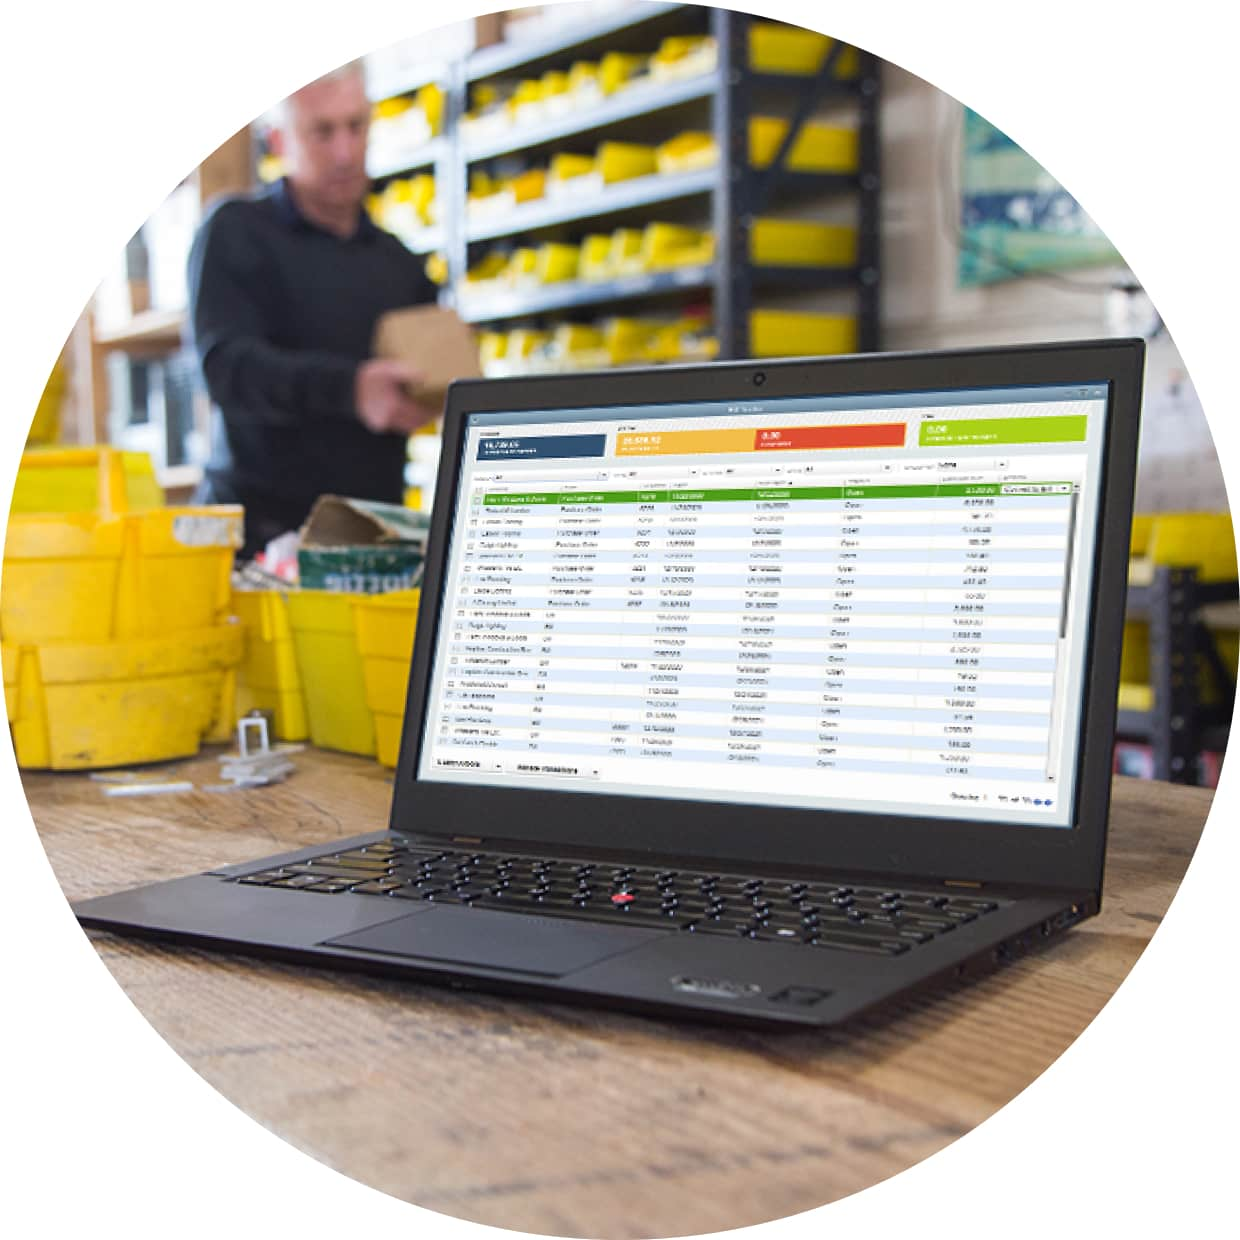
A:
(435, 341)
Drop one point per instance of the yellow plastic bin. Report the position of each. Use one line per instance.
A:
(102, 480)
(797, 243)
(691, 151)
(81, 577)
(818, 148)
(268, 678)
(622, 161)
(556, 262)
(385, 625)
(79, 706)
(786, 333)
(330, 666)
(775, 48)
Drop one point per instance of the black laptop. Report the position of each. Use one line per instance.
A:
(760, 693)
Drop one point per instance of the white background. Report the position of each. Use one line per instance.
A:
(106, 107)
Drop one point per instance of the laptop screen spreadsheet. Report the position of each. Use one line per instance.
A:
(874, 603)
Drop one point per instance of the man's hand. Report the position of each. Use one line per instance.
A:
(383, 395)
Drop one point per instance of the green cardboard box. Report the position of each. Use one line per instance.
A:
(356, 546)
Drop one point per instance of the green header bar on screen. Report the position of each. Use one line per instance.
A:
(966, 431)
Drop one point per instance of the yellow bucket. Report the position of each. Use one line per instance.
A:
(331, 670)
(268, 678)
(81, 706)
(385, 625)
(81, 577)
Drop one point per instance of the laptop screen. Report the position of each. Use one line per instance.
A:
(873, 603)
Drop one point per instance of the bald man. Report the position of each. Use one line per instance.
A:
(285, 289)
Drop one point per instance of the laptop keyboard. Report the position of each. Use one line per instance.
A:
(882, 921)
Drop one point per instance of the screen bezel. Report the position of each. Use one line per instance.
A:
(852, 841)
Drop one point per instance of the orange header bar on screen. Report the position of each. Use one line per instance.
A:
(679, 443)
(749, 439)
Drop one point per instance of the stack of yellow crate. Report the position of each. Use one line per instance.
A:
(118, 646)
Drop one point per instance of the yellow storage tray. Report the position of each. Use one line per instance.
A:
(818, 148)
(84, 706)
(566, 167)
(331, 670)
(622, 161)
(666, 246)
(1204, 541)
(788, 333)
(775, 48)
(1135, 697)
(616, 68)
(691, 151)
(101, 480)
(268, 678)
(556, 262)
(385, 625)
(797, 243)
(80, 577)
(595, 263)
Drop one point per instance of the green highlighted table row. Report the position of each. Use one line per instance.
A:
(732, 495)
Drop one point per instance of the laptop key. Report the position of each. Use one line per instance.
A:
(378, 886)
(860, 943)
(296, 881)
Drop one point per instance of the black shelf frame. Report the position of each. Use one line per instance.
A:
(1179, 726)
(733, 192)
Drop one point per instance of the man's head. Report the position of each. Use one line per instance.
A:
(325, 125)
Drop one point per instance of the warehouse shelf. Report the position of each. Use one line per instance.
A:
(602, 31)
(622, 196)
(1177, 725)
(570, 295)
(422, 156)
(725, 197)
(626, 105)
(491, 307)
(422, 240)
(395, 84)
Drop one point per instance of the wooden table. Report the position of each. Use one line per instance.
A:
(497, 1110)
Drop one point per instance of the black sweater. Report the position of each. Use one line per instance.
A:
(282, 313)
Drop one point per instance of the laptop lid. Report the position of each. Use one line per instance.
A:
(859, 613)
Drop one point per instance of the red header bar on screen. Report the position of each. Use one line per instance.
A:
(800, 438)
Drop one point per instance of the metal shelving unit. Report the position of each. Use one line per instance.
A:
(1178, 727)
(728, 196)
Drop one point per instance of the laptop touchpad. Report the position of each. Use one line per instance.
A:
(547, 946)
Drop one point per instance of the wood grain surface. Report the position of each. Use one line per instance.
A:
(568, 1121)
